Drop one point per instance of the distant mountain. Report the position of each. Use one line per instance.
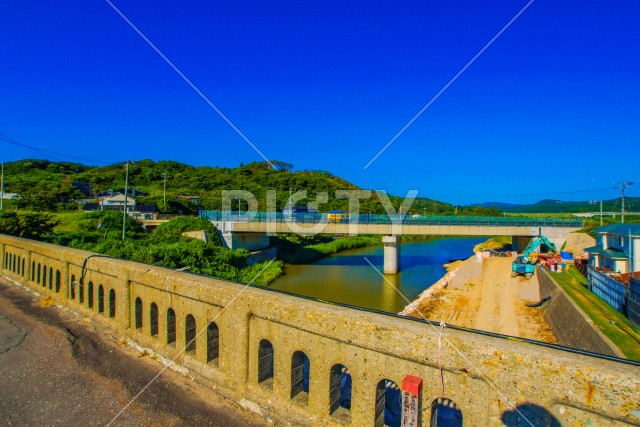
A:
(632, 204)
(504, 206)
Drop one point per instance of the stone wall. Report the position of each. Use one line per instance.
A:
(246, 334)
(570, 324)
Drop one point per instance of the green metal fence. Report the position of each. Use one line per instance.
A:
(314, 218)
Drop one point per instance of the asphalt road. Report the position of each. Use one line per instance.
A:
(56, 369)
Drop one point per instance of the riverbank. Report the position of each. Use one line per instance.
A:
(348, 277)
(464, 271)
(296, 249)
(479, 293)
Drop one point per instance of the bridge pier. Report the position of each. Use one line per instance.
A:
(391, 254)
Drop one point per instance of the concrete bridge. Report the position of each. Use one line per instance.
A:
(305, 362)
(251, 230)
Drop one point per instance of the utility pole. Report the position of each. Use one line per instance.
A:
(2, 189)
(600, 213)
(126, 197)
(622, 185)
(164, 192)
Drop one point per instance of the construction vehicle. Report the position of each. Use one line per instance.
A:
(525, 264)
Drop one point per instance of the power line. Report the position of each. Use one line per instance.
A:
(12, 141)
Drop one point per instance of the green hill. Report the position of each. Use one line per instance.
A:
(632, 204)
(47, 186)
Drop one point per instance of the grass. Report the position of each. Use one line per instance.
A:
(541, 215)
(495, 242)
(68, 221)
(299, 254)
(623, 333)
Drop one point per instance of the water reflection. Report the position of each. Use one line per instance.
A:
(348, 278)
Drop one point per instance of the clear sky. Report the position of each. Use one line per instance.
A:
(551, 107)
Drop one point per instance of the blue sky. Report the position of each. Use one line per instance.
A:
(550, 108)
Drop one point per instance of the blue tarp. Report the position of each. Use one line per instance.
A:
(566, 255)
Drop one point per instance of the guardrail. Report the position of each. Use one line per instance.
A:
(314, 218)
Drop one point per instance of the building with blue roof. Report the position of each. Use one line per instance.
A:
(617, 248)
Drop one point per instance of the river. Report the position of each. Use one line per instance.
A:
(346, 277)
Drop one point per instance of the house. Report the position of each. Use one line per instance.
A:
(617, 248)
(145, 212)
(117, 202)
(131, 191)
(135, 211)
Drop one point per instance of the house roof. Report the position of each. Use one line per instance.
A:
(120, 198)
(620, 229)
(336, 211)
(609, 253)
(146, 208)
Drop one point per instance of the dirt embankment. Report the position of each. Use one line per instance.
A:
(481, 294)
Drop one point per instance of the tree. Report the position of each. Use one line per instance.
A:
(282, 166)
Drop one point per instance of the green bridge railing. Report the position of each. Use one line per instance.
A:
(314, 218)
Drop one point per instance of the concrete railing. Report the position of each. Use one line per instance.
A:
(312, 363)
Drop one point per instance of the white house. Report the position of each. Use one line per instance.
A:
(617, 248)
(117, 202)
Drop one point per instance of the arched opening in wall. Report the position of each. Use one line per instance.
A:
(38, 275)
(300, 377)
(72, 287)
(81, 291)
(57, 280)
(190, 334)
(445, 413)
(18, 265)
(265, 364)
(213, 343)
(171, 327)
(137, 308)
(89, 294)
(388, 404)
(44, 275)
(100, 299)
(23, 272)
(33, 271)
(13, 263)
(112, 303)
(50, 278)
(153, 320)
(340, 393)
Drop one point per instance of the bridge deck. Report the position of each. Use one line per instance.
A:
(386, 224)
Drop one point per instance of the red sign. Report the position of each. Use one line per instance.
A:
(411, 401)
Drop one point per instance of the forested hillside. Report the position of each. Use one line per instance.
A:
(47, 186)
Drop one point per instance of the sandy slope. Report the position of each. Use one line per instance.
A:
(481, 294)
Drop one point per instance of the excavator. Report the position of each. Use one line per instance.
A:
(524, 265)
